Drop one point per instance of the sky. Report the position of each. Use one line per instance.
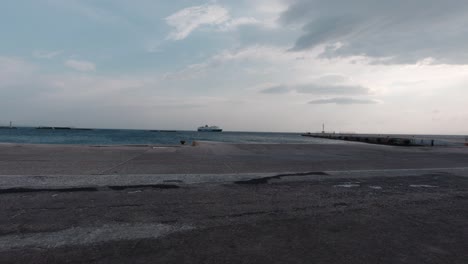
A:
(365, 66)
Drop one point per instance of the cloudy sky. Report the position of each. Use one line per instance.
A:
(249, 65)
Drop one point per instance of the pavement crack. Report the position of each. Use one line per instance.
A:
(29, 190)
(303, 174)
(246, 214)
(125, 205)
(154, 186)
(265, 180)
(86, 189)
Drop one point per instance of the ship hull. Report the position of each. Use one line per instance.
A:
(210, 130)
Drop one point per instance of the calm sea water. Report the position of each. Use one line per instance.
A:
(138, 137)
(135, 137)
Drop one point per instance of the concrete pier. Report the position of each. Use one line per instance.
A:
(233, 203)
(394, 140)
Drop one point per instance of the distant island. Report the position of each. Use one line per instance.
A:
(172, 131)
(61, 128)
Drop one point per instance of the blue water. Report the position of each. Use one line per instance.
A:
(146, 137)
(137, 137)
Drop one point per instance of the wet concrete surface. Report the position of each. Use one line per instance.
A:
(293, 204)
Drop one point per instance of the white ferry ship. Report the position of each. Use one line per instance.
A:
(207, 128)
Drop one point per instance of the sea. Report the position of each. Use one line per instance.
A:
(31, 135)
(145, 137)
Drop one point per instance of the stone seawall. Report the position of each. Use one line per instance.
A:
(384, 139)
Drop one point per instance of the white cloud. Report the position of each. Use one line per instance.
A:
(80, 65)
(41, 54)
(269, 11)
(232, 24)
(344, 101)
(296, 68)
(318, 88)
(273, 7)
(187, 20)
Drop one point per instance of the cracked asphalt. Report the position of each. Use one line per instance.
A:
(405, 206)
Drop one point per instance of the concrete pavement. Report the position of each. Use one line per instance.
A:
(354, 203)
(213, 158)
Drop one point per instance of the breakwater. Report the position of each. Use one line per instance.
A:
(396, 140)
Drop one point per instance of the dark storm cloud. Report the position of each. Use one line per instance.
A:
(343, 101)
(406, 31)
(328, 28)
